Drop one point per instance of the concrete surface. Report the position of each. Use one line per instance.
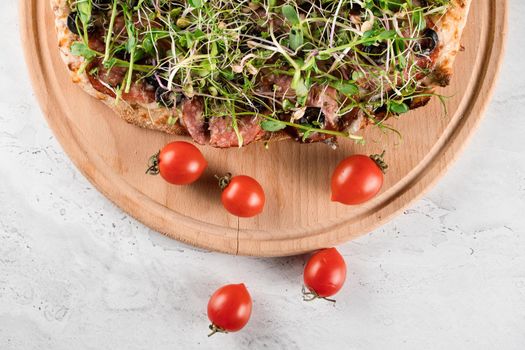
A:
(78, 273)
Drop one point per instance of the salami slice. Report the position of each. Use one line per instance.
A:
(194, 121)
(223, 135)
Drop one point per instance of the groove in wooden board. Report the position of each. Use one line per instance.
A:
(298, 216)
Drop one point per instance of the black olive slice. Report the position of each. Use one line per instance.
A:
(72, 23)
(156, 81)
(73, 20)
(376, 52)
(312, 116)
(428, 42)
(355, 9)
(167, 98)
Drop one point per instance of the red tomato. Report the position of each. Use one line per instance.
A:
(179, 163)
(325, 273)
(357, 179)
(229, 308)
(242, 196)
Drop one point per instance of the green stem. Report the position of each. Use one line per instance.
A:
(130, 71)
(282, 51)
(110, 31)
(137, 67)
(322, 131)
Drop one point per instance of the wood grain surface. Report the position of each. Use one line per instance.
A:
(299, 216)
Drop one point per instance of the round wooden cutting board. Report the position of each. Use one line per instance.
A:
(299, 216)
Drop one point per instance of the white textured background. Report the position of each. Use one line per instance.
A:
(78, 273)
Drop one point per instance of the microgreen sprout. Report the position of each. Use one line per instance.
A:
(227, 53)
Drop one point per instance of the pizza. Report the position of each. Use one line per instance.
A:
(229, 73)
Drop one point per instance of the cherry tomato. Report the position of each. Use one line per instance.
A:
(324, 274)
(229, 308)
(242, 195)
(179, 163)
(357, 179)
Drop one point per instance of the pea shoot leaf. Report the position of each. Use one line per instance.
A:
(195, 3)
(299, 86)
(346, 88)
(81, 49)
(272, 125)
(84, 9)
(356, 75)
(291, 15)
(398, 108)
(296, 38)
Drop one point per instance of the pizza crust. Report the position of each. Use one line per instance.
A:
(448, 26)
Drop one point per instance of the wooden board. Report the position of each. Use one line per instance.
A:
(299, 216)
